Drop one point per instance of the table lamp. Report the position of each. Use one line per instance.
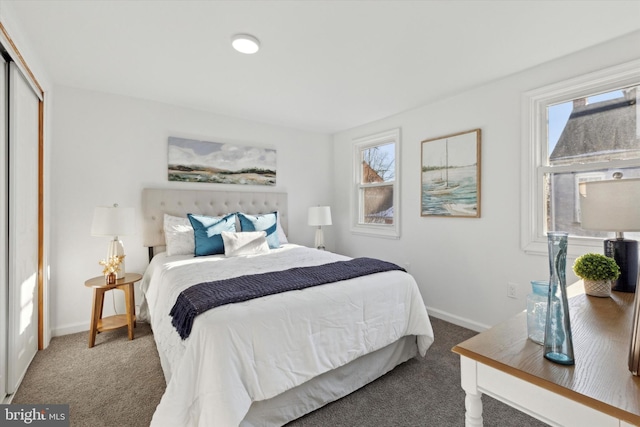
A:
(319, 216)
(113, 222)
(614, 205)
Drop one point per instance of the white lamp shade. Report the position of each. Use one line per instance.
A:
(319, 215)
(112, 221)
(612, 205)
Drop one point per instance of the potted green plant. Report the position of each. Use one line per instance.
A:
(597, 272)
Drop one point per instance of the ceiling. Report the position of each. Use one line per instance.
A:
(324, 66)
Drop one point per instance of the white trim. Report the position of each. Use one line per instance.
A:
(457, 320)
(534, 104)
(73, 328)
(380, 230)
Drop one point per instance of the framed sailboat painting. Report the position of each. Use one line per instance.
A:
(450, 175)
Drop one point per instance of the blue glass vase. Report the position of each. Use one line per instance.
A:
(558, 344)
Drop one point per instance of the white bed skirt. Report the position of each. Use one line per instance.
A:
(329, 386)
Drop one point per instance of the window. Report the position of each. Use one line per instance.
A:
(581, 130)
(375, 200)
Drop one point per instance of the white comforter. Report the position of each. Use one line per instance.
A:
(257, 349)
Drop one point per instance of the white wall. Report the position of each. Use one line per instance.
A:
(109, 147)
(106, 148)
(463, 265)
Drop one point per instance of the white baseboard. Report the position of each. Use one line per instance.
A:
(457, 320)
(82, 326)
(443, 315)
(70, 329)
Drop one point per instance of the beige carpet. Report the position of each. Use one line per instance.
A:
(119, 383)
(116, 383)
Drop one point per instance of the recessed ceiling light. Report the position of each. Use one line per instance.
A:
(245, 43)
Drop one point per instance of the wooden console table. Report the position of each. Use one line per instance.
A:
(599, 390)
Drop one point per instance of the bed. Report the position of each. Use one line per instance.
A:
(268, 360)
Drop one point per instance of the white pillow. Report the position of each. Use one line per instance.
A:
(245, 243)
(178, 234)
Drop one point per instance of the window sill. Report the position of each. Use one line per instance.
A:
(387, 233)
(575, 247)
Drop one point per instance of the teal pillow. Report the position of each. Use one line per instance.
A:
(207, 232)
(266, 222)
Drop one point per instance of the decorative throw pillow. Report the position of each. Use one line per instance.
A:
(178, 235)
(206, 231)
(245, 243)
(266, 222)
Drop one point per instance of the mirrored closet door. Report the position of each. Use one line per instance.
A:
(4, 235)
(23, 226)
(19, 225)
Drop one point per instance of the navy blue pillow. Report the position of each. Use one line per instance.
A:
(266, 222)
(207, 232)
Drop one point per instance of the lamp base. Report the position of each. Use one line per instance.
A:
(319, 239)
(625, 253)
(116, 248)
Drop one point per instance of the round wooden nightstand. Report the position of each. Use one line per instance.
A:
(98, 324)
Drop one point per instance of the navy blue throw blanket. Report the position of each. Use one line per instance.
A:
(204, 296)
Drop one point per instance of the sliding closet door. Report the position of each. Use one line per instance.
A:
(23, 227)
(4, 207)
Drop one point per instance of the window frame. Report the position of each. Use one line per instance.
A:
(391, 231)
(535, 151)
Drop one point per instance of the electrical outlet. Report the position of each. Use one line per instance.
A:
(512, 290)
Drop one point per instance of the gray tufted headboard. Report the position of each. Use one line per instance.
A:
(158, 201)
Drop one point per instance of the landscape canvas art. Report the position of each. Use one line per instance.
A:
(450, 176)
(191, 160)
